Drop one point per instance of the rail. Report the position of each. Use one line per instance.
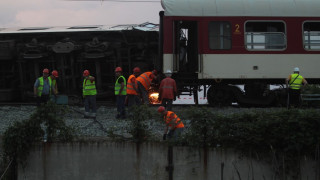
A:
(310, 99)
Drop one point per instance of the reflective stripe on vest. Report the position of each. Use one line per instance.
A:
(130, 85)
(145, 80)
(88, 87)
(117, 86)
(167, 87)
(296, 81)
(175, 121)
(40, 87)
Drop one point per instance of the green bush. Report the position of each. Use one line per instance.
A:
(18, 138)
(201, 131)
(282, 137)
(138, 122)
(290, 131)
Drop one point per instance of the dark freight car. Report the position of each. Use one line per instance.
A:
(24, 52)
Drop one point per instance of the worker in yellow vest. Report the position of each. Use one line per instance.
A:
(43, 88)
(173, 124)
(89, 93)
(120, 90)
(295, 82)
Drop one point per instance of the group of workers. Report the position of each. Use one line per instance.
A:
(132, 92)
(135, 92)
(45, 86)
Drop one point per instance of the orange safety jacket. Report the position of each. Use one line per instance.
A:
(172, 120)
(132, 85)
(167, 89)
(145, 79)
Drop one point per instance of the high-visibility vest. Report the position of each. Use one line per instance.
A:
(54, 84)
(88, 87)
(295, 81)
(145, 80)
(130, 85)
(117, 86)
(40, 87)
(173, 120)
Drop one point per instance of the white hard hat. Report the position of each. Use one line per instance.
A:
(296, 69)
(168, 72)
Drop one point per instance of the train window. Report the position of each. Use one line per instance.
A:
(219, 35)
(265, 35)
(311, 35)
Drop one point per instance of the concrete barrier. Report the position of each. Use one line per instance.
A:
(148, 161)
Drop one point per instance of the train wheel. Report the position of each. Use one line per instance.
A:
(219, 96)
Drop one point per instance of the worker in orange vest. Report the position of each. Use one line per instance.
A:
(167, 91)
(144, 82)
(173, 123)
(132, 88)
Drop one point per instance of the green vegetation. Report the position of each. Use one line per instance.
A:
(19, 138)
(290, 131)
(281, 137)
(279, 134)
(138, 127)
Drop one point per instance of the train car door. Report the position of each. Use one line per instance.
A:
(186, 47)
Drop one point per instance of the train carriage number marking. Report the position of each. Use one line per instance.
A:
(237, 29)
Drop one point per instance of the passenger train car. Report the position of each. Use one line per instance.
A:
(254, 43)
(24, 52)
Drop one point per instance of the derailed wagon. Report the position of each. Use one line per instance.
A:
(24, 52)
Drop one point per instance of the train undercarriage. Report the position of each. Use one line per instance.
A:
(221, 93)
(255, 94)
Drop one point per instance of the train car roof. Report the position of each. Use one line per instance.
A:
(265, 8)
(142, 27)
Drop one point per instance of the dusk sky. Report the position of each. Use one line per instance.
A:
(39, 13)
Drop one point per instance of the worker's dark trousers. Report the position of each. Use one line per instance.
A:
(90, 103)
(174, 134)
(144, 93)
(167, 103)
(120, 106)
(43, 99)
(133, 100)
(294, 97)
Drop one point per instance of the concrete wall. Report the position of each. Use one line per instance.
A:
(124, 160)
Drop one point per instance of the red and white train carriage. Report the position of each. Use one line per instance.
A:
(255, 43)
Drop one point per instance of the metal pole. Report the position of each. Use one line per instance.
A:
(288, 99)
(169, 168)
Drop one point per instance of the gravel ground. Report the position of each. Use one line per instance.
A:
(105, 125)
